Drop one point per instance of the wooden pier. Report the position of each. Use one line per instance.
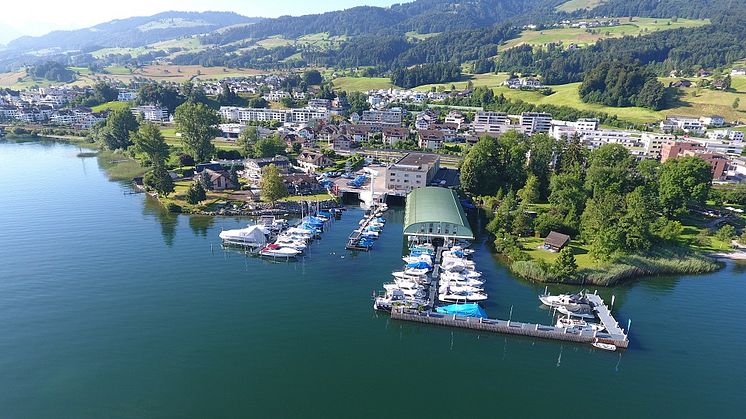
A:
(434, 278)
(354, 239)
(613, 333)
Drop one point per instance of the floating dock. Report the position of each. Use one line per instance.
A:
(613, 333)
(353, 242)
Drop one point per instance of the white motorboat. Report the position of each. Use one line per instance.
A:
(563, 300)
(421, 279)
(409, 293)
(276, 251)
(291, 243)
(407, 284)
(416, 271)
(462, 281)
(459, 288)
(252, 237)
(395, 299)
(414, 259)
(466, 273)
(582, 311)
(304, 232)
(579, 325)
(604, 346)
(464, 250)
(451, 296)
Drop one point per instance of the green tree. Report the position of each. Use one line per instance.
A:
(523, 224)
(565, 266)
(542, 152)
(246, 141)
(600, 226)
(271, 185)
(736, 103)
(159, 180)
(196, 193)
(726, 233)
(198, 127)
(742, 239)
(529, 194)
(493, 164)
(358, 102)
(116, 133)
(610, 170)
(149, 140)
(683, 181)
(268, 147)
(312, 77)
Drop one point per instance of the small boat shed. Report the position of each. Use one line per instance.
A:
(434, 212)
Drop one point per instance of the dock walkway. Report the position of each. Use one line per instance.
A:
(353, 242)
(433, 294)
(613, 333)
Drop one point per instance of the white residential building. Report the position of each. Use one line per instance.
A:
(491, 122)
(126, 96)
(585, 124)
(653, 143)
(244, 115)
(385, 117)
(535, 122)
(712, 121)
(456, 118)
(725, 134)
(415, 170)
(151, 112)
(679, 123)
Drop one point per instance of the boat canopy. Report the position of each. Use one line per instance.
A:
(468, 310)
(251, 234)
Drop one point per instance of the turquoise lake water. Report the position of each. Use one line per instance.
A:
(110, 308)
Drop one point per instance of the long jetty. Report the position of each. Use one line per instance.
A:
(353, 242)
(613, 333)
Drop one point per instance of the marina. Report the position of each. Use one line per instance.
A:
(370, 227)
(209, 330)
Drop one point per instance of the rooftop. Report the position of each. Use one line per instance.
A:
(418, 159)
(436, 205)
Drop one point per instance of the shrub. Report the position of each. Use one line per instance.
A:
(174, 208)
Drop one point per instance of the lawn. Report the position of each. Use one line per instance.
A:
(317, 197)
(110, 105)
(414, 36)
(118, 166)
(573, 5)
(478, 80)
(567, 95)
(582, 37)
(531, 246)
(362, 84)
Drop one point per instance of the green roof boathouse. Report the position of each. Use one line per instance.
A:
(435, 213)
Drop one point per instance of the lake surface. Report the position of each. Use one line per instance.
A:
(111, 308)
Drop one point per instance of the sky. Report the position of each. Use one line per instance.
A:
(42, 16)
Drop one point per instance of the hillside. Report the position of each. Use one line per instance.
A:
(131, 32)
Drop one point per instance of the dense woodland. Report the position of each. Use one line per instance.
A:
(623, 84)
(686, 50)
(426, 74)
(52, 71)
(604, 198)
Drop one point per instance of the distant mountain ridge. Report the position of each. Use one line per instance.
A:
(133, 31)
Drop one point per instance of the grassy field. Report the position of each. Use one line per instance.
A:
(362, 84)
(118, 166)
(317, 197)
(414, 36)
(110, 105)
(573, 5)
(479, 80)
(582, 37)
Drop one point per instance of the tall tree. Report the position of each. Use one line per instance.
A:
(565, 266)
(529, 194)
(683, 181)
(246, 140)
(493, 164)
(159, 180)
(116, 133)
(610, 170)
(271, 185)
(198, 127)
(149, 140)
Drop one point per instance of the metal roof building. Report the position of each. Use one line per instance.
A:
(436, 212)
